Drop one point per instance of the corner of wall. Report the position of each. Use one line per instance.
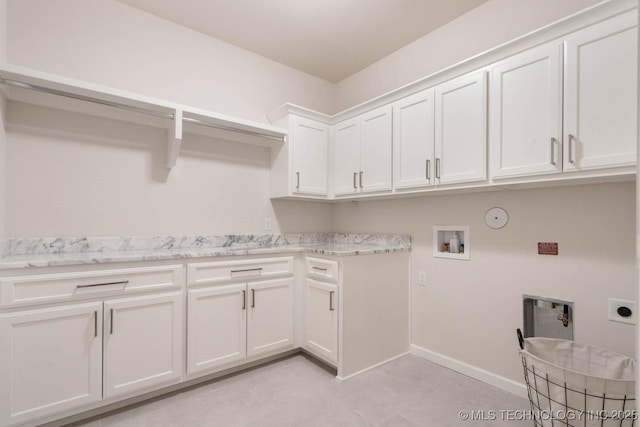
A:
(4, 30)
(3, 138)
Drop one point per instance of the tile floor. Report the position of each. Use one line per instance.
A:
(298, 392)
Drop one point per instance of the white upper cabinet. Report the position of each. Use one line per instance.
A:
(310, 141)
(346, 158)
(460, 129)
(413, 140)
(376, 151)
(600, 106)
(525, 127)
(362, 153)
(299, 166)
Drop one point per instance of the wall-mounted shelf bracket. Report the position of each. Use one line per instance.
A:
(174, 139)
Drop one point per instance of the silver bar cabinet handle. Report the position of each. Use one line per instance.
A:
(361, 173)
(331, 307)
(253, 298)
(438, 167)
(246, 270)
(111, 321)
(244, 300)
(553, 151)
(571, 139)
(297, 180)
(428, 169)
(355, 177)
(95, 323)
(319, 268)
(123, 282)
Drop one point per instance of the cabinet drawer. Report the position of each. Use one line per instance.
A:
(45, 288)
(240, 270)
(322, 269)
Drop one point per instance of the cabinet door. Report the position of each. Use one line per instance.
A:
(346, 156)
(321, 319)
(50, 360)
(526, 113)
(270, 322)
(310, 151)
(460, 126)
(413, 135)
(142, 342)
(376, 150)
(601, 95)
(216, 327)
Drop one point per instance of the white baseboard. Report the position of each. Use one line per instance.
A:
(471, 371)
(373, 366)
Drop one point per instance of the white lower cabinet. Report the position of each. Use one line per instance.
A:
(270, 323)
(231, 321)
(321, 319)
(142, 342)
(217, 327)
(91, 342)
(50, 361)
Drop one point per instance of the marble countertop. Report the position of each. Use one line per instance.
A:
(29, 253)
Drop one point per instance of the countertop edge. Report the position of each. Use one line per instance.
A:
(69, 259)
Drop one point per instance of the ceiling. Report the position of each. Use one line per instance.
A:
(330, 39)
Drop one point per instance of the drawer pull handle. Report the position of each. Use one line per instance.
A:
(247, 270)
(244, 300)
(361, 173)
(297, 180)
(123, 282)
(253, 298)
(331, 307)
(111, 321)
(355, 178)
(428, 167)
(553, 151)
(95, 323)
(319, 268)
(437, 167)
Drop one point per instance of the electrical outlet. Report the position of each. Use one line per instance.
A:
(422, 278)
(267, 224)
(622, 311)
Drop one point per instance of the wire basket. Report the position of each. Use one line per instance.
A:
(573, 384)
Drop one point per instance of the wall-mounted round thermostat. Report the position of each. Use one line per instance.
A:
(496, 218)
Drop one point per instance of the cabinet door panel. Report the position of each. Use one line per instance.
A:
(413, 139)
(50, 360)
(270, 322)
(142, 343)
(346, 159)
(217, 327)
(460, 129)
(321, 322)
(525, 120)
(310, 151)
(601, 95)
(376, 149)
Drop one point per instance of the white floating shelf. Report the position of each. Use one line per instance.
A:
(443, 233)
(53, 91)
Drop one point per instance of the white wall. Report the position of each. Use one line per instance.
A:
(3, 137)
(110, 43)
(487, 26)
(74, 175)
(470, 309)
